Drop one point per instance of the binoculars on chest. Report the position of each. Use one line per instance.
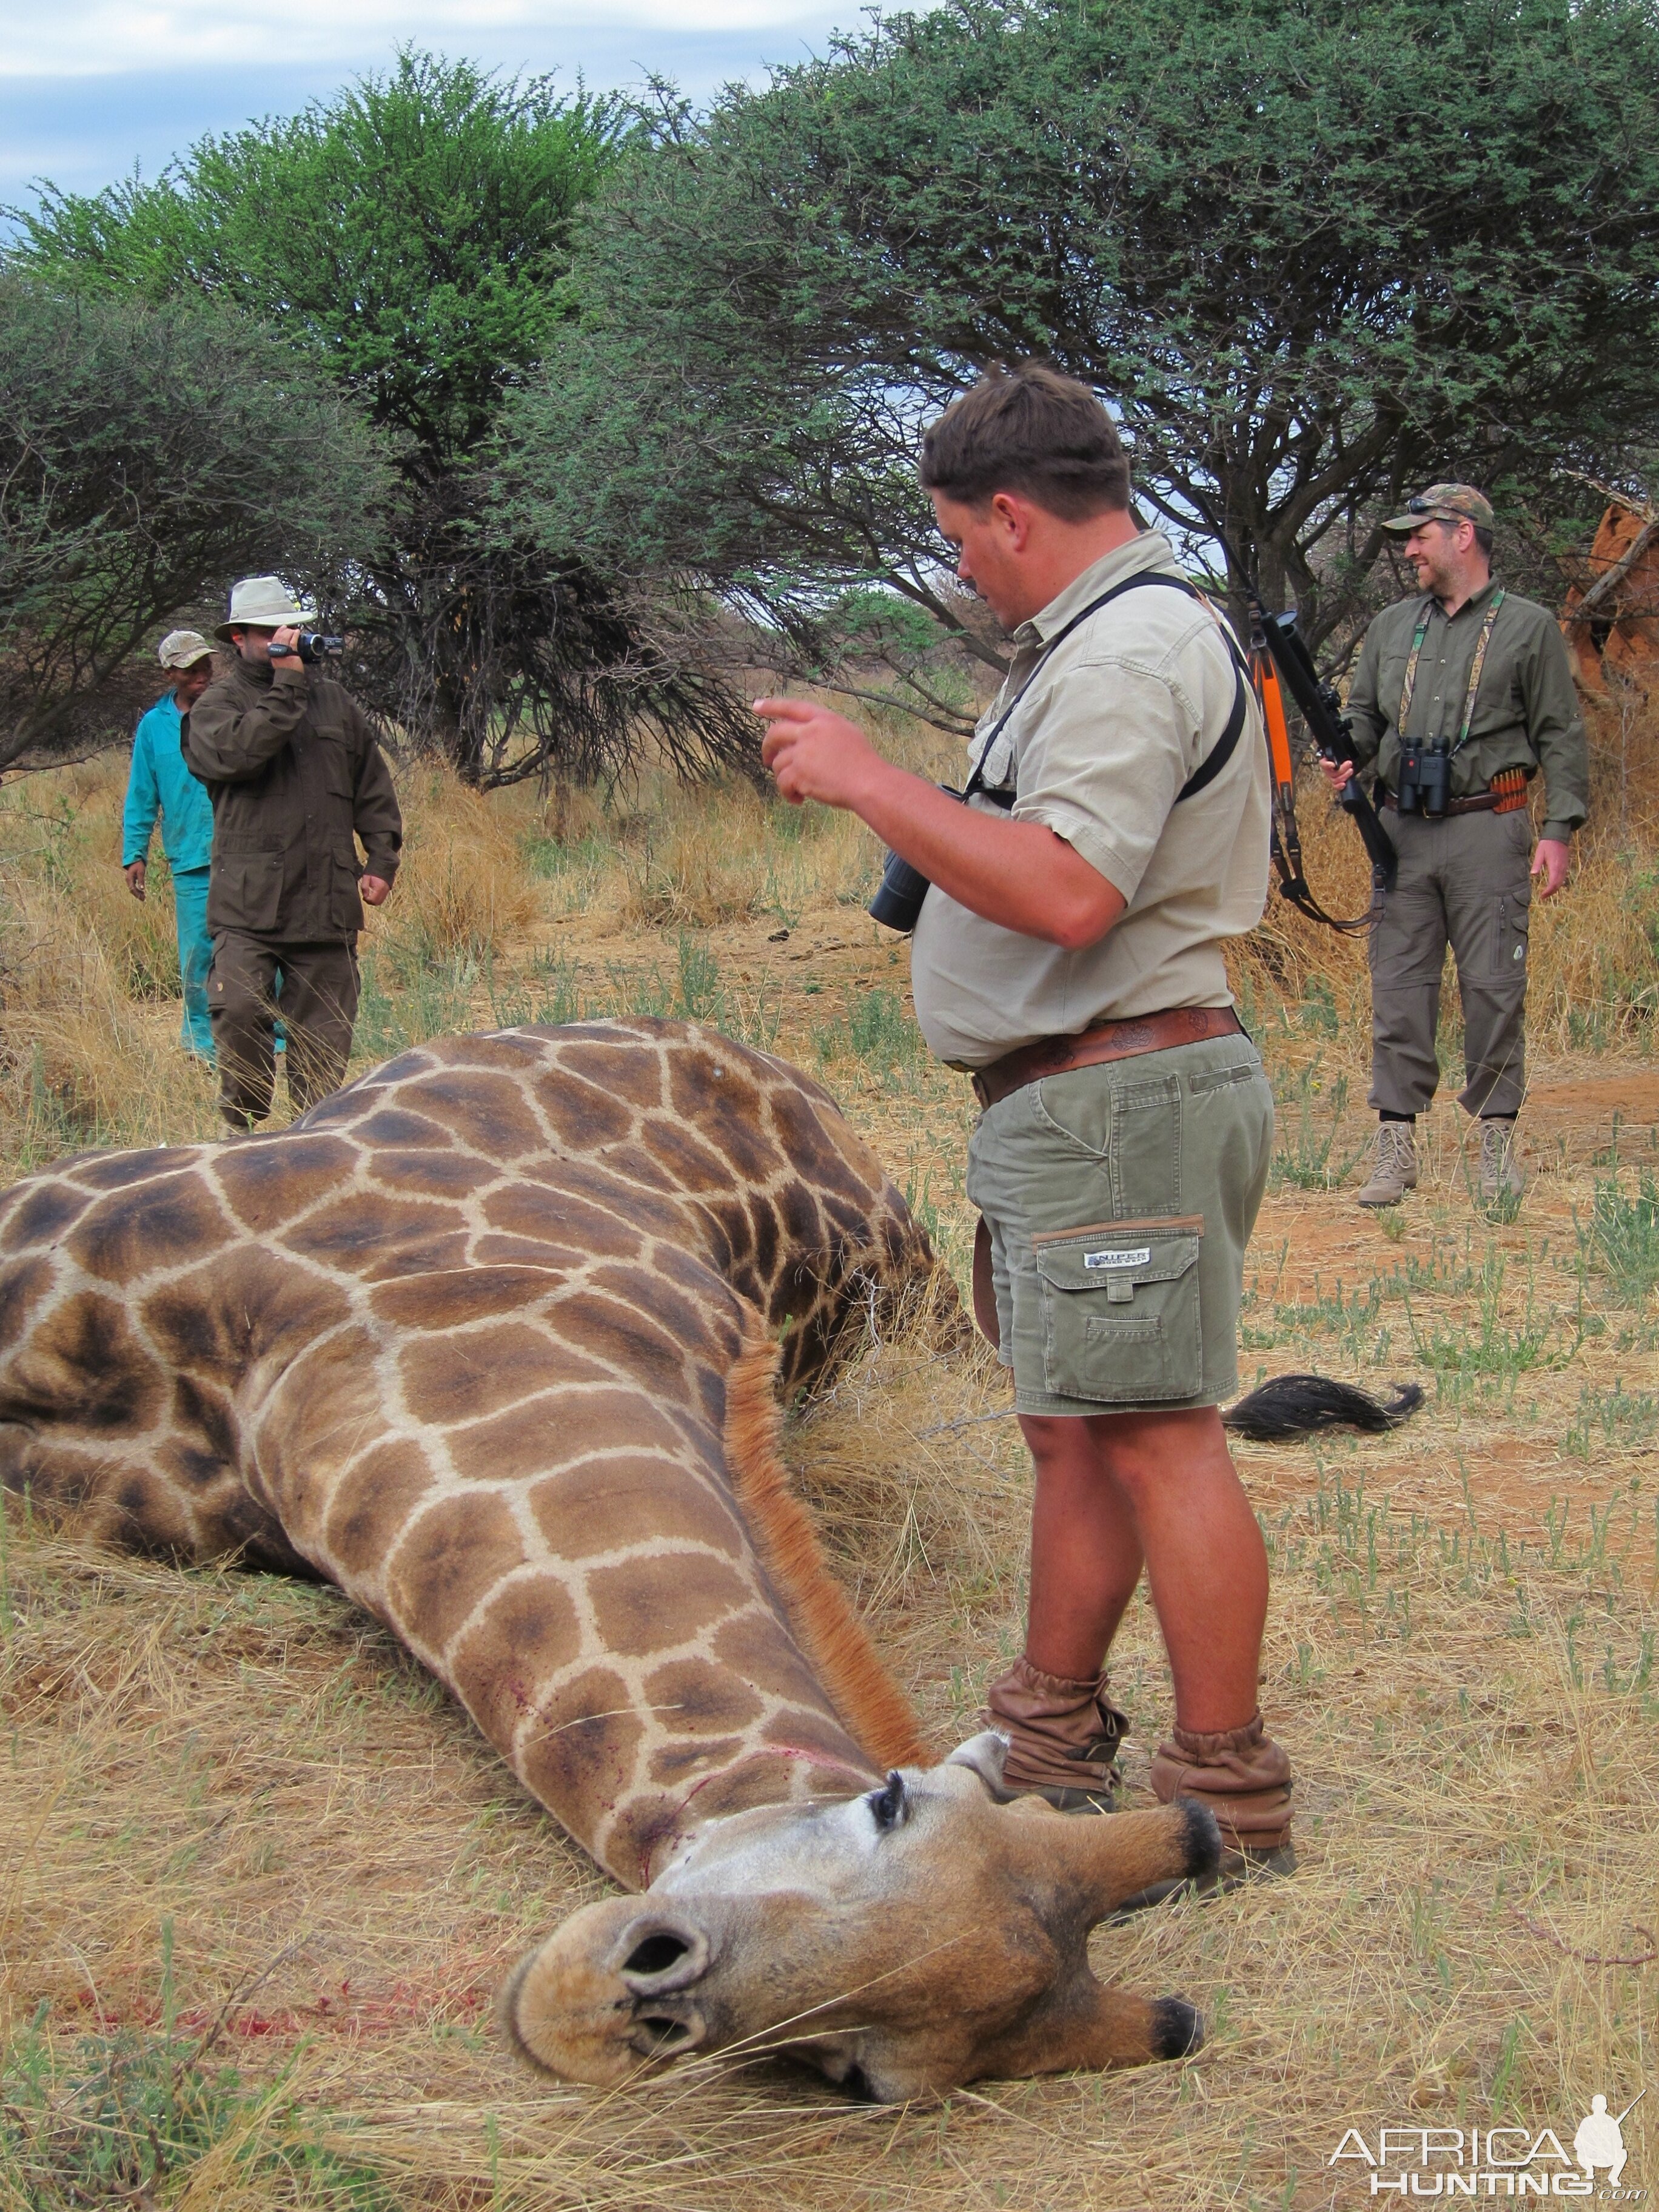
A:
(1425, 781)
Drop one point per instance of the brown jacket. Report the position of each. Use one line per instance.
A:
(293, 768)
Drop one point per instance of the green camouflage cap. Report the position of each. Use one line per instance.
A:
(1445, 502)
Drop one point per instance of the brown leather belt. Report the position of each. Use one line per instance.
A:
(1029, 1063)
(1479, 802)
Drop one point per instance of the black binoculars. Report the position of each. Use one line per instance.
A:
(899, 896)
(310, 645)
(898, 901)
(1425, 781)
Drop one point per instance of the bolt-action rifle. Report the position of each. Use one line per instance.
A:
(1280, 662)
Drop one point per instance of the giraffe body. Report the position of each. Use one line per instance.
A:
(490, 1340)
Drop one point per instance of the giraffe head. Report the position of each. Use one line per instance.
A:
(905, 1941)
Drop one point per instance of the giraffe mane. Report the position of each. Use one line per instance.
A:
(872, 1707)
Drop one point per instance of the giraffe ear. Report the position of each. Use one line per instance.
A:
(985, 1755)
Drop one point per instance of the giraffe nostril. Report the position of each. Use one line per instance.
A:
(656, 1955)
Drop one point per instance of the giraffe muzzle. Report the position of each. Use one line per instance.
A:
(608, 1993)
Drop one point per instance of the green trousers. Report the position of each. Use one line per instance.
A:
(317, 1000)
(1462, 882)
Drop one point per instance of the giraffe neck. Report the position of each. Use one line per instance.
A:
(491, 1339)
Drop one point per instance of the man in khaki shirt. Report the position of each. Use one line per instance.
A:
(1068, 953)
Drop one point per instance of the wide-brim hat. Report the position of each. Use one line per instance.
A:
(1445, 502)
(262, 602)
(183, 648)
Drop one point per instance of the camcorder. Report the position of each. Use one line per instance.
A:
(1425, 781)
(311, 645)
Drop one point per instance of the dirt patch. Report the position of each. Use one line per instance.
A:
(1576, 1116)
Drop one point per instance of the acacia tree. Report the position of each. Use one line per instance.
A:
(145, 455)
(411, 235)
(1314, 255)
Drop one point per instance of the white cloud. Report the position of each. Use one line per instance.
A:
(95, 38)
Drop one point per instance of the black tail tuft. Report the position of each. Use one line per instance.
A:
(1178, 2028)
(1203, 1838)
(1299, 1405)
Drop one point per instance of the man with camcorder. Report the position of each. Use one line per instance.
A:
(296, 776)
(1068, 953)
(1462, 694)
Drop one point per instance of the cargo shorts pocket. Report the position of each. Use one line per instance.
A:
(1512, 925)
(1120, 1304)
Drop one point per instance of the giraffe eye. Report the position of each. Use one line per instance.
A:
(889, 1808)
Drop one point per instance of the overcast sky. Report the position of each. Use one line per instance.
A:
(88, 87)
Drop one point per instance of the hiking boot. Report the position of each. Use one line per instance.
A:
(1064, 1737)
(1394, 1170)
(1500, 1171)
(1244, 1777)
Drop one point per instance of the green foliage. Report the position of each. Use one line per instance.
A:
(412, 232)
(874, 1028)
(411, 236)
(118, 2117)
(1624, 1235)
(1314, 255)
(145, 453)
(1307, 1136)
(1611, 1420)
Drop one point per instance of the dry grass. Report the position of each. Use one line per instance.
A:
(233, 1810)
(463, 893)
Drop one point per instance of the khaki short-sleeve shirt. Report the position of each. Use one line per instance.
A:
(1113, 724)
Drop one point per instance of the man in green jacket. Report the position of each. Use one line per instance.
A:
(296, 777)
(1461, 696)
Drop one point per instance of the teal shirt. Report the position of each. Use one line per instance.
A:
(161, 784)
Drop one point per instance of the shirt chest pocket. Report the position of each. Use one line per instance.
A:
(1120, 1308)
(333, 757)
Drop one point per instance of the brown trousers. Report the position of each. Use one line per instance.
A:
(318, 1005)
(1462, 882)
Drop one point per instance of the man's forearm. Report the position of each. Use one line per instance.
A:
(1018, 874)
(234, 747)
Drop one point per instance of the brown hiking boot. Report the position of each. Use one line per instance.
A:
(1244, 1777)
(1394, 1168)
(1501, 1179)
(1062, 1737)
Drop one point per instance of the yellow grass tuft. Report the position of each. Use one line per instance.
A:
(462, 891)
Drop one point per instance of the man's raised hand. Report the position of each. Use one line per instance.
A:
(814, 753)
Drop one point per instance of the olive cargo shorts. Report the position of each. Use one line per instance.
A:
(1119, 1201)
(1463, 880)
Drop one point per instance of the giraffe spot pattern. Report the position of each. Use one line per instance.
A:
(458, 1340)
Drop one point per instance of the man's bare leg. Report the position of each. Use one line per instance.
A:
(1086, 1557)
(1114, 1487)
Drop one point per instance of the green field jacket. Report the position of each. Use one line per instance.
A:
(296, 775)
(1526, 713)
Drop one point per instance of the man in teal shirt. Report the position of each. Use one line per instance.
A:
(159, 783)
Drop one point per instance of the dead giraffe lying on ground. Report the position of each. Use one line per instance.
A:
(492, 1340)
